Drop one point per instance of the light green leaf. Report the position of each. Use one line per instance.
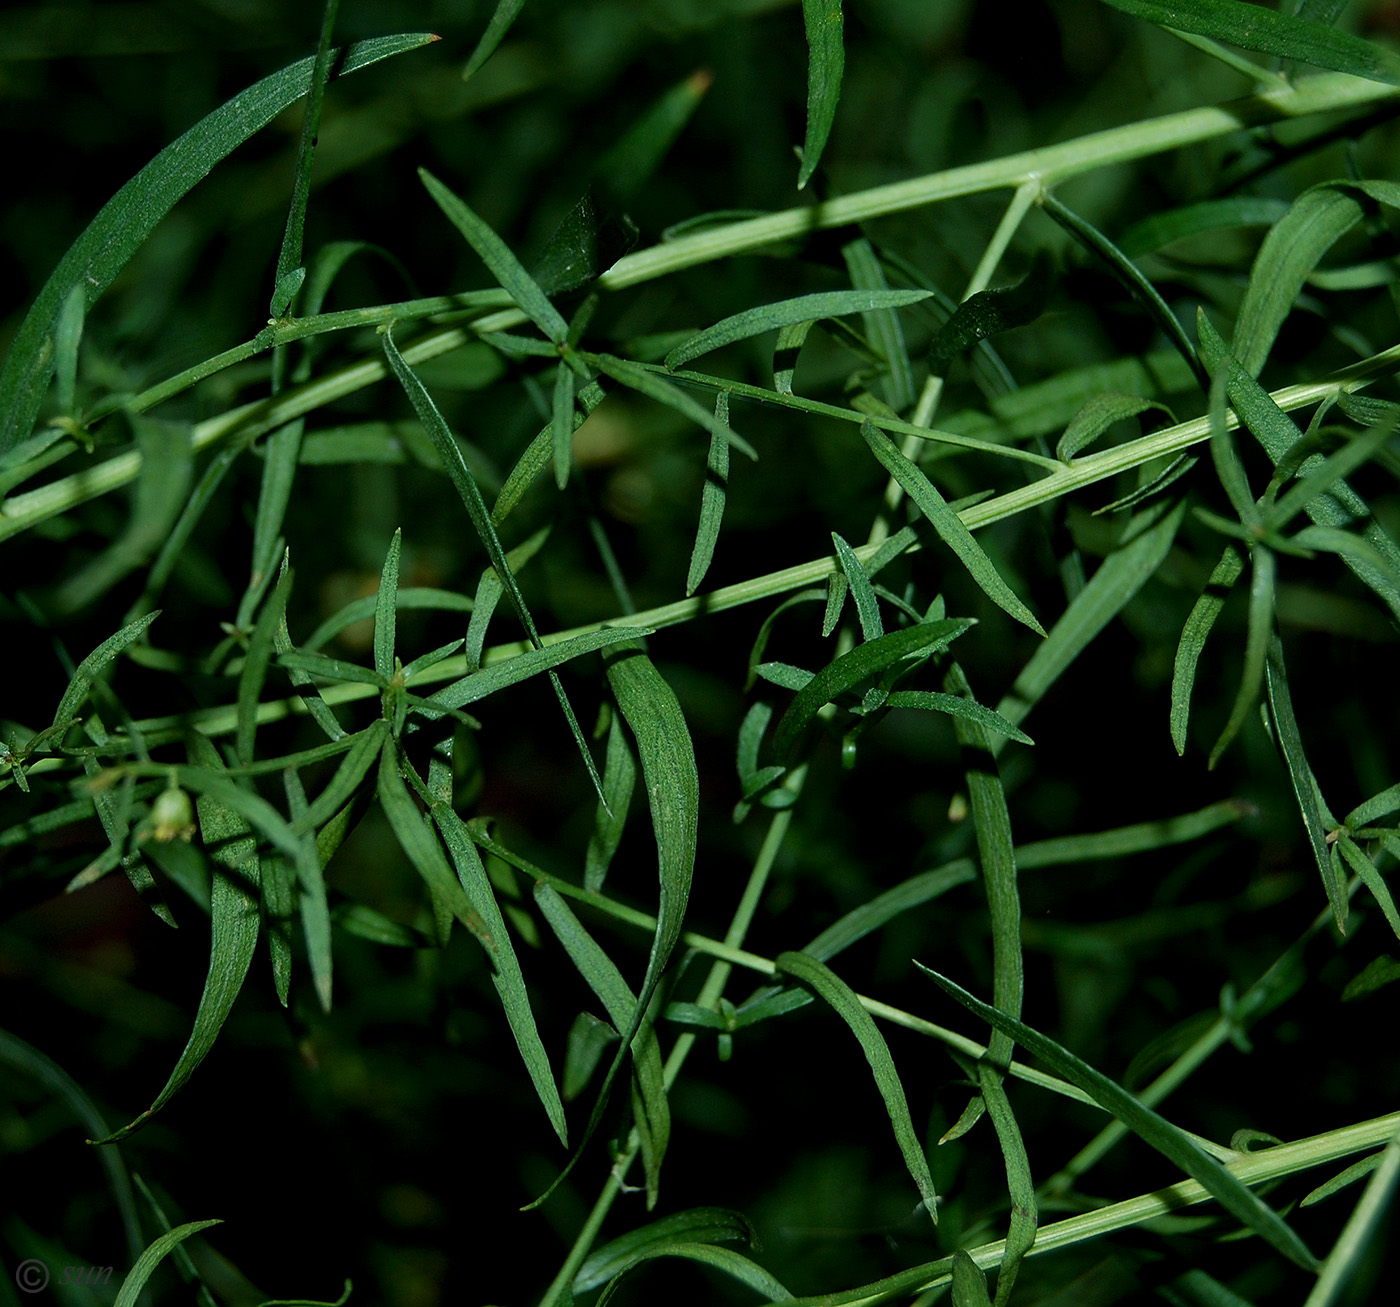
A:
(1253, 27)
(823, 982)
(1126, 840)
(881, 325)
(789, 313)
(826, 62)
(129, 217)
(656, 387)
(947, 524)
(1378, 805)
(1357, 1241)
(539, 452)
(130, 1292)
(969, 1282)
(1166, 1138)
(1356, 1171)
(1362, 866)
(498, 258)
(785, 352)
(1019, 1182)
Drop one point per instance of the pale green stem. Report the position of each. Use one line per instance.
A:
(1329, 92)
(1250, 1168)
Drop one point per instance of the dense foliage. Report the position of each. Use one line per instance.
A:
(766, 630)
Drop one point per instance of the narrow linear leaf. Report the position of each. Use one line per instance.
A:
(514, 670)
(860, 664)
(418, 841)
(619, 779)
(725, 1260)
(386, 609)
(826, 62)
(1270, 32)
(789, 313)
(562, 424)
(1377, 806)
(867, 606)
(653, 386)
(504, 14)
(1020, 1184)
(539, 452)
(881, 325)
(791, 338)
(1145, 543)
(829, 987)
(129, 217)
(1097, 416)
(130, 1292)
(451, 456)
(1203, 218)
(1194, 634)
(1362, 866)
(261, 647)
(499, 260)
(1358, 1236)
(234, 921)
(91, 667)
(1130, 276)
(626, 1014)
(1126, 840)
(696, 1225)
(957, 706)
(1290, 744)
(1258, 634)
(712, 497)
(506, 973)
(947, 524)
(1153, 1129)
(1356, 1171)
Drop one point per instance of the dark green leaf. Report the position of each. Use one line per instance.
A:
(504, 14)
(990, 312)
(712, 497)
(129, 217)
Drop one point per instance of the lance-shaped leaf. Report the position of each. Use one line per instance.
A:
(789, 313)
(655, 386)
(860, 664)
(725, 1260)
(605, 980)
(1155, 1130)
(619, 779)
(1253, 27)
(712, 497)
(828, 986)
(456, 466)
(506, 974)
(867, 606)
(504, 14)
(947, 524)
(1020, 1184)
(499, 259)
(89, 669)
(1259, 633)
(826, 62)
(233, 929)
(1194, 634)
(129, 217)
(386, 610)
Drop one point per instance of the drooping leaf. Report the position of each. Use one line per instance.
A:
(130, 1292)
(234, 922)
(696, 1225)
(822, 981)
(129, 217)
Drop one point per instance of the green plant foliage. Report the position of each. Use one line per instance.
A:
(1066, 382)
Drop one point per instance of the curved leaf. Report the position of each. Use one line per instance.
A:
(826, 62)
(129, 217)
(130, 1292)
